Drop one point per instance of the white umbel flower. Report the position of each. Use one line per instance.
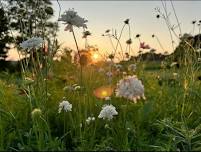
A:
(131, 88)
(101, 70)
(71, 18)
(132, 67)
(33, 42)
(118, 66)
(109, 74)
(65, 105)
(107, 112)
(90, 119)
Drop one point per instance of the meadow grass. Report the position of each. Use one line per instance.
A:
(169, 118)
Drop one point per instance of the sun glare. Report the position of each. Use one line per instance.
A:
(95, 57)
(103, 91)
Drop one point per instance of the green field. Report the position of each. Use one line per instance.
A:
(168, 119)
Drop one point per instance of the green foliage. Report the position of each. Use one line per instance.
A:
(166, 121)
(5, 39)
(27, 21)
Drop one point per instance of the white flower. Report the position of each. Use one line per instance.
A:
(107, 126)
(172, 64)
(124, 73)
(65, 105)
(36, 113)
(128, 128)
(107, 98)
(131, 88)
(66, 88)
(71, 18)
(175, 74)
(132, 67)
(101, 70)
(118, 66)
(89, 119)
(57, 58)
(198, 50)
(109, 74)
(33, 42)
(77, 88)
(107, 112)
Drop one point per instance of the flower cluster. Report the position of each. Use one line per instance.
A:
(71, 18)
(73, 87)
(65, 105)
(108, 74)
(118, 66)
(33, 42)
(107, 112)
(89, 119)
(132, 67)
(36, 113)
(131, 88)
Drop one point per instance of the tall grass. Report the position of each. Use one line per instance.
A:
(168, 120)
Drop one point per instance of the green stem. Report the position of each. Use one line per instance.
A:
(81, 73)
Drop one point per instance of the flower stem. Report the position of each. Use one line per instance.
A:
(78, 55)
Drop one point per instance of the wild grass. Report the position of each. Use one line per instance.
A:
(167, 120)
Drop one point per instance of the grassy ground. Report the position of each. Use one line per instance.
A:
(169, 118)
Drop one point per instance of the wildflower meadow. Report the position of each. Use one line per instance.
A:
(56, 98)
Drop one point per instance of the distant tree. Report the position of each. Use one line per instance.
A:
(152, 52)
(5, 39)
(28, 18)
(31, 18)
(186, 51)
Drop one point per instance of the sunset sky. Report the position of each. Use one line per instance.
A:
(103, 15)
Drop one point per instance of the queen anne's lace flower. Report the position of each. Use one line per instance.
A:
(118, 66)
(71, 18)
(109, 74)
(90, 119)
(65, 105)
(132, 67)
(107, 98)
(107, 112)
(101, 70)
(131, 88)
(33, 42)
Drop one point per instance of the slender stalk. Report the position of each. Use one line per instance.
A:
(129, 28)
(81, 67)
(160, 43)
(118, 39)
(176, 17)
(111, 42)
(168, 23)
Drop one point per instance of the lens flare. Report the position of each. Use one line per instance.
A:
(103, 91)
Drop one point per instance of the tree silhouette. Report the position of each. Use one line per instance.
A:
(186, 51)
(4, 37)
(31, 18)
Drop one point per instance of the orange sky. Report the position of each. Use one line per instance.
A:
(103, 15)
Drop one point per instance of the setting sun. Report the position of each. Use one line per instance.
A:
(95, 57)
